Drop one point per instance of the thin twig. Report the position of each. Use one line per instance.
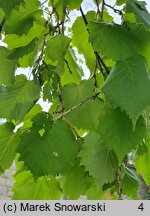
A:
(102, 10)
(93, 97)
(73, 129)
(98, 58)
(119, 183)
(83, 16)
(60, 94)
(102, 63)
(39, 61)
(57, 15)
(44, 2)
(94, 74)
(98, 10)
(2, 24)
(56, 111)
(63, 20)
(114, 9)
(67, 64)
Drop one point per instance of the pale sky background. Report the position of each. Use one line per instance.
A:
(86, 6)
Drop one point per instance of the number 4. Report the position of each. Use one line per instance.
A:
(141, 207)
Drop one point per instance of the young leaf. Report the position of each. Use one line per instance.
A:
(15, 41)
(55, 51)
(80, 39)
(9, 6)
(140, 11)
(20, 21)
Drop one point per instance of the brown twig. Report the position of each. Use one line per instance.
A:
(102, 10)
(39, 61)
(119, 183)
(2, 24)
(60, 94)
(98, 58)
(98, 10)
(102, 63)
(93, 97)
(68, 67)
(57, 15)
(83, 16)
(73, 129)
(94, 74)
(114, 9)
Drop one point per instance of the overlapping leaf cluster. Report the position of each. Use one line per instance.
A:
(83, 144)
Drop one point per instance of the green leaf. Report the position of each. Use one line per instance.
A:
(7, 67)
(73, 72)
(26, 55)
(15, 41)
(99, 159)
(26, 188)
(8, 142)
(120, 2)
(86, 115)
(143, 165)
(76, 183)
(29, 59)
(73, 4)
(51, 153)
(61, 5)
(116, 130)
(2, 14)
(8, 6)
(140, 11)
(128, 86)
(94, 193)
(24, 50)
(16, 101)
(55, 51)
(106, 39)
(82, 42)
(20, 21)
(50, 80)
(130, 184)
